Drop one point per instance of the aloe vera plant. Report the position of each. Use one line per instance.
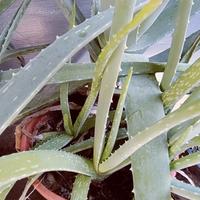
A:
(152, 133)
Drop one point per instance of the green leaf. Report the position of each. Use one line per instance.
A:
(24, 164)
(4, 191)
(150, 163)
(80, 187)
(134, 36)
(192, 143)
(117, 118)
(164, 24)
(148, 134)
(182, 18)
(162, 57)
(46, 97)
(64, 103)
(8, 31)
(5, 4)
(174, 133)
(188, 55)
(186, 161)
(122, 16)
(38, 71)
(77, 72)
(185, 190)
(55, 142)
(89, 143)
(189, 79)
(179, 142)
(9, 54)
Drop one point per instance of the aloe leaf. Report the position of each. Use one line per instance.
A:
(81, 187)
(9, 54)
(75, 71)
(103, 59)
(122, 15)
(72, 18)
(186, 161)
(176, 146)
(192, 129)
(135, 35)
(4, 191)
(90, 122)
(187, 80)
(5, 5)
(88, 144)
(150, 163)
(164, 24)
(68, 9)
(38, 71)
(117, 118)
(174, 133)
(106, 53)
(81, 146)
(148, 134)
(150, 20)
(54, 143)
(162, 57)
(20, 165)
(186, 58)
(29, 183)
(183, 15)
(64, 102)
(8, 31)
(99, 6)
(185, 190)
(192, 143)
(47, 97)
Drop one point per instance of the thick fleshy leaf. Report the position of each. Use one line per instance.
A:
(185, 190)
(150, 164)
(81, 187)
(21, 165)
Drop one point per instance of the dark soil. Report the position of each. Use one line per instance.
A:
(118, 186)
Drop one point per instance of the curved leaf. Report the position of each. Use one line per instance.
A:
(24, 164)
